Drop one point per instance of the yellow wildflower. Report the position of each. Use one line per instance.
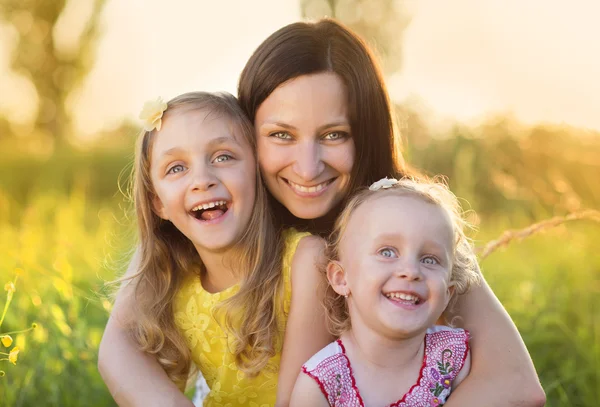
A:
(10, 287)
(13, 355)
(152, 113)
(6, 340)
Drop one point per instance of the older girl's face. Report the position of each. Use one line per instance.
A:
(305, 146)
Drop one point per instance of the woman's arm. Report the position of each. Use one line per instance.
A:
(133, 377)
(306, 330)
(307, 393)
(502, 373)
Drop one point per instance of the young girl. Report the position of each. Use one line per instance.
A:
(214, 283)
(398, 256)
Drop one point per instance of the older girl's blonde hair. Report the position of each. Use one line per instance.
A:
(167, 255)
(464, 265)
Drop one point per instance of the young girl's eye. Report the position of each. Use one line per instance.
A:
(222, 158)
(429, 260)
(175, 169)
(335, 135)
(282, 135)
(387, 252)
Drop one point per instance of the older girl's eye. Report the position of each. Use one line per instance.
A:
(282, 135)
(387, 252)
(429, 260)
(335, 135)
(175, 169)
(222, 158)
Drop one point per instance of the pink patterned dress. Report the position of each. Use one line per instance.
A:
(445, 352)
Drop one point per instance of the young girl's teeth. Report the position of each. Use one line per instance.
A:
(402, 296)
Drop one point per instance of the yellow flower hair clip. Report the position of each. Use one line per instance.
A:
(384, 183)
(152, 114)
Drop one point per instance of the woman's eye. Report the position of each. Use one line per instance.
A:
(282, 135)
(175, 169)
(335, 135)
(387, 252)
(222, 158)
(430, 260)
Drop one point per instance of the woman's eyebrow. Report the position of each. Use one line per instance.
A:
(279, 124)
(333, 124)
(337, 123)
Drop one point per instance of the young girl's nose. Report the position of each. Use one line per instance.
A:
(308, 164)
(409, 270)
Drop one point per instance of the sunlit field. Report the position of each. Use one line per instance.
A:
(66, 229)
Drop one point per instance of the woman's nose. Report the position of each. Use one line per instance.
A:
(308, 164)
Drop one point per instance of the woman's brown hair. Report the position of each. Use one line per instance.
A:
(327, 46)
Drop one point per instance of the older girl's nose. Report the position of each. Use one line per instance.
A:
(203, 178)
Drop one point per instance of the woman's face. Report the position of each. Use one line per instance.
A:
(305, 147)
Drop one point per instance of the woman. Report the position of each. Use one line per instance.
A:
(324, 127)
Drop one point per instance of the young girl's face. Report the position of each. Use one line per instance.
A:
(396, 254)
(203, 174)
(305, 148)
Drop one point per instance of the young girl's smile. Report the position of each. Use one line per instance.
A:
(396, 254)
(203, 176)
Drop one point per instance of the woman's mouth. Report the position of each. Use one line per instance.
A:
(309, 191)
(210, 210)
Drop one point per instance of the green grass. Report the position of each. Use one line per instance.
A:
(70, 234)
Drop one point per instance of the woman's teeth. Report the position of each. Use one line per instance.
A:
(403, 296)
(209, 205)
(315, 188)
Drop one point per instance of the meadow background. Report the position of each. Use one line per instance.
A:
(66, 225)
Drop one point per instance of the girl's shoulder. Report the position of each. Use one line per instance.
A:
(333, 350)
(295, 241)
(292, 237)
(441, 332)
(446, 350)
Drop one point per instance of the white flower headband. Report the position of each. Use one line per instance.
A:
(384, 183)
(152, 113)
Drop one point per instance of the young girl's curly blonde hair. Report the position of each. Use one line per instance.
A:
(167, 255)
(464, 264)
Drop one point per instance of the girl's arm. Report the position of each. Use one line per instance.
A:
(307, 393)
(133, 377)
(306, 331)
(502, 373)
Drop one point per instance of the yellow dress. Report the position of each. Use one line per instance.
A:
(229, 387)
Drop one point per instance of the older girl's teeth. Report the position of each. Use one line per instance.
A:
(209, 205)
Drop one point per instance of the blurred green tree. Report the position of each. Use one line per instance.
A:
(55, 45)
(380, 22)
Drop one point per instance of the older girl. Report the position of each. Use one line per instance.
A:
(214, 282)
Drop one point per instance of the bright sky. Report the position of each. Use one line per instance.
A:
(465, 59)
